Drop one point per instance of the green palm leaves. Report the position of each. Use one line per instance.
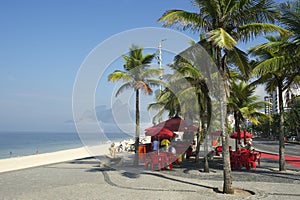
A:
(138, 75)
(219, 37)
(277, 63)
(226, 20)
(223, 23)
(291, 19)
(244, 104)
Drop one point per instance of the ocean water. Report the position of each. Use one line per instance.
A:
(14, 144)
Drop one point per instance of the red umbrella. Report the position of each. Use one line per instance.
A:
(161, 133)
(152, 130)
(242, 135)
(178, 124)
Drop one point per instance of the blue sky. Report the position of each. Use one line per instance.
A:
(43, 44)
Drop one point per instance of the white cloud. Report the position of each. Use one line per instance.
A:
(260, 92)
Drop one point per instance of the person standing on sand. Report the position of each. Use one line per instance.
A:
(112, 151)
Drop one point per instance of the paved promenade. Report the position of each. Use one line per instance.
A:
(84, 179)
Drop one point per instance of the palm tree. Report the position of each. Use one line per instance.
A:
(179, 99)
(199, 87)
(244, 105)
(137, 75)
(274, 68)
(224, 23)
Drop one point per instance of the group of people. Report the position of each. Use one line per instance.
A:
(163, 146)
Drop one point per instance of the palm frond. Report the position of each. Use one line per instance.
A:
(146, 89)
(182, 20)
(156, 83)
(189, 71)
(254, 116)
(291, 15)
(147, 59)
(123, 87)
(252, 30)
(155, 106)
(272, 84)
(239, 59)
(151, 72)
(255, 11)
(274, 45)
(119, 75)
(221, 38)
(267, 66)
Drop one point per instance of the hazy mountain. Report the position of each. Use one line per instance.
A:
(119, 113)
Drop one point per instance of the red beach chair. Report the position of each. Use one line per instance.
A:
(166, 160)
(153, 160)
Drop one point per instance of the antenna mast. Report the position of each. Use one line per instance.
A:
(160, 59)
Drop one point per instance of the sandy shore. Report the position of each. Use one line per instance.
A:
(11, 164)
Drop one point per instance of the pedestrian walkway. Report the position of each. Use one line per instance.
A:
(85, 179)
(291, 160)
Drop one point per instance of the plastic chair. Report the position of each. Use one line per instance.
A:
(234, 159)
(166, 160)
(245, 160)
(258, 156)
(154, 160)
(252, 159)
(218, 150)
(142, 152)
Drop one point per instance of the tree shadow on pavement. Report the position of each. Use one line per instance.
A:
(179, 181)
(105, 172)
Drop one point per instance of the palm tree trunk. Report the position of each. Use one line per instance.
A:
(282, 164)
(137, 128)
(206, 165)
(238, 130)
(227, 185)
(204, 129)
(199, 134)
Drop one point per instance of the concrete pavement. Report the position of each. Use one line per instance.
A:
(84, 179)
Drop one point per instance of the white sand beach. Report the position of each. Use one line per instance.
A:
(11, 164)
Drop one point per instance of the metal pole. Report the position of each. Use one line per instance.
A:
(160, 59)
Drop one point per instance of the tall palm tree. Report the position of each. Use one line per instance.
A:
(245, 105)
(137, 75)
(179, 99)
(198, 86)
(224, 23)
(274, 68)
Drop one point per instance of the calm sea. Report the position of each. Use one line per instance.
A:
(14, 144)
